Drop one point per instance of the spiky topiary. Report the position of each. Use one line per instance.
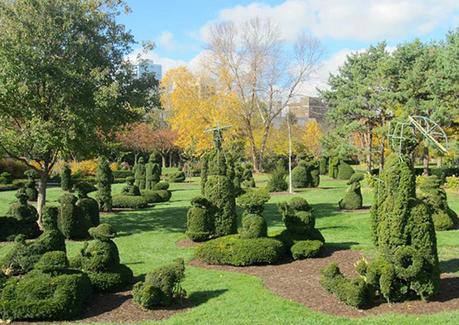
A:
(104, 178)
(444, 218)
(353, 198)
(200, 223)
(152, 172)
(277, 181)
(140, 174)
(66, 178)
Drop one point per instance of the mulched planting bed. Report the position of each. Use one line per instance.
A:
(299, 281)
(187, 243)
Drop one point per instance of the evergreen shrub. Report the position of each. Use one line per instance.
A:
(200, 220)
(306, 248)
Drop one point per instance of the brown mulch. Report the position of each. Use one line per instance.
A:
(299, 281)
(187, 243)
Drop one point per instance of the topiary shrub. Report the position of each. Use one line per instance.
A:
(129, 202)
(353, 292)
(104, 178)
(253, 201)
(72, 221)
(152, 173)
(333, 167)
(353, 198)
(140, 174)
(178, 177)
(162, 287)
(233, 250)
(6, 178)
(100, 260)
(247, 176)
(88, 206)
(323, 165)
(300, 177)
(66, 178)
(345, 170)
(130, 189)
(444, 218)
(161, 186)
(199, 226)
(218, 190)
(31, 185)
(253, 226)
(276, 181)
(306, 249)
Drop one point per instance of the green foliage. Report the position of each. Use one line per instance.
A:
(161, 287)
(130, 202)
(233, 250)
(140, 174)
(130, 189)
(5, 178)
(306, 174)
(53, 262)
(247, 176)
(253, 201)
(333, 167)
(323, 165)
(104, 178)
(45, 296)
(66, 178)
(31, 185)
(218, 190)
(353, 197)
(72, 221)
(452, 182)
(253, 226)
(444, 218)
(345, 170)
(199, 226)
(353, 292)
(161, 186)
(276, 181)
(178, 177)
(152, 173)
(22, 211)
(306, 249)
(117, 278)
(89, 210)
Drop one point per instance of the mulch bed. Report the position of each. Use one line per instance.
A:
(187, 243)
(299, 281)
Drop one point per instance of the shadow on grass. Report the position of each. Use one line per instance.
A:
(450, 266)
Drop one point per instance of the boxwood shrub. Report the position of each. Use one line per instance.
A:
(127, 201)
(233, 250)
(306, 249)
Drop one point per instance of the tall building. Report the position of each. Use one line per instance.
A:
(148, 66)
(309, 109)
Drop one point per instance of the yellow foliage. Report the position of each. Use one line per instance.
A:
(312, 136)
(194, 104)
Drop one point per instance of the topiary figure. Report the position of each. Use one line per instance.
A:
(6, 178)
(200, 223)
(253, 223)
(162, 286)
(130, 189)
(23, 256)
(140, 174)
(299, 220)
(276, 181)
(72, 221)
(434, 195)
(21, 210)
(333, 167)
(66, 178)
(152, 172)
(306, 249)
(50, 292)
(104, 177)
(100, 260)
(178, 177)
(300, 177)
(323, 165)
(345, 170)
(31, 185)
(353, 198)
(21, 218)
(89, 206)
(247, 176)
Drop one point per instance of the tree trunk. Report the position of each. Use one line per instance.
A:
(41, 202)
(370, 149)
(425, 161)
(170, 159)
(264, 141)
(381, 159)
(163, 160)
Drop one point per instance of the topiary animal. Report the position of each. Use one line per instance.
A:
(353, 198)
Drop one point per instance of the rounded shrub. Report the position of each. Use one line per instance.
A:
(277, 180)
(152, 172)
(233, 250)
(178, 177)
(199, 226)
(161, 186)
(300, 176)
(6, 178)
(253, 226)
(52, 262)
(31, 185)
(253, 201)
(353, 197)
(129, 202)
(306, 249)
(164, 195)
(130, 189)
(345, 170)
(72, 222)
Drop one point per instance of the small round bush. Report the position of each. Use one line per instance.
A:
(164, 195)
(233, 250)
(306, 249)
(6, 178)
(300, 177)
(151, 196)
(253, 226)
(31, 185)
(117, 278)
(72, 222)
(128, 201)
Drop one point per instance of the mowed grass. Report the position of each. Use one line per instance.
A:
(147, 239)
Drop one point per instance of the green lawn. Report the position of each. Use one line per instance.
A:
(147, 239)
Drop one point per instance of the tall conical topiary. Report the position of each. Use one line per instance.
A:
(66, 178)
(104, 178)
(139, 174)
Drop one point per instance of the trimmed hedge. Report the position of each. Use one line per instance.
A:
(161, 287)
(199, 225)
(128, 201)
(66, 178)
(306, 249)
(253, 226)
(233, 250)
(353, 292)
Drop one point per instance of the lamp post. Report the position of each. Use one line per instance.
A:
(290, 186)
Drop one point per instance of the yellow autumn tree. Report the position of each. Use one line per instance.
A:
(312, 136)
(193, 104)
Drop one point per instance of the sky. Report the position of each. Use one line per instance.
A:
(178, 27)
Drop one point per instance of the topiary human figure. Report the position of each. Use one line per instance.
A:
(24, 217)
(139, 174)
(152, 172)
(300, 221)
(104, 177)
(72, 221)
(100, 260)
(353, 198)
(89, 206)
(247, 176)
(323, 165)
(31, 185)
(200, 223)
(130, 189)
(253, 223)
(444, 218)
(23, 256)
(333, 167)
(66, 178)
(345, 170)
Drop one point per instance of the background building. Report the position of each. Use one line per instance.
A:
(148, 66)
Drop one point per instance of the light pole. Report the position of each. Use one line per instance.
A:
(290, 186)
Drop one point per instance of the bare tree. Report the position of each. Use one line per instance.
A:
(254, 62)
